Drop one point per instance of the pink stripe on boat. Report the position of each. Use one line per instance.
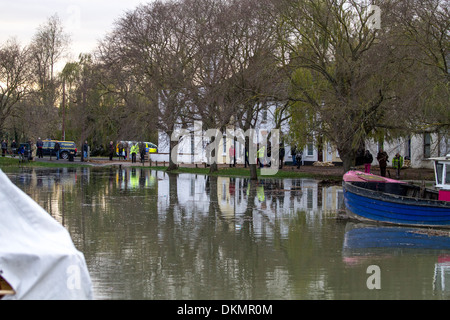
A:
(358, 176)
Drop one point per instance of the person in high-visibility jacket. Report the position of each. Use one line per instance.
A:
(134, 150)
(261, 154)
(397, 164)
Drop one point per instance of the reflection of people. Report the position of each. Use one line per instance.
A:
(397, 164)
(232, 186)
(382, 158)
(260, 193)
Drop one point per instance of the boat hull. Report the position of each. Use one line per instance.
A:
(368, 205)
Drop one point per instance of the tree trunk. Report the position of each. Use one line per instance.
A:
(348, 160)
(214, 153)
(253, 172)
(251, 158)
(173, 160)
(213, 167)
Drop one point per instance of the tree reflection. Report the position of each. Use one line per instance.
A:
(154, 235)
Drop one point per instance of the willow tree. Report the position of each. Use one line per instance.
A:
(342, 71)
(424, 28)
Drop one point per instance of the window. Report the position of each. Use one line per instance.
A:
(224, 145)
(447, 173)
(427, 145)
(310, 149)
(439, 172)
(264, 115)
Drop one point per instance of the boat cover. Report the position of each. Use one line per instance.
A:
(37, 256)
(357, 176)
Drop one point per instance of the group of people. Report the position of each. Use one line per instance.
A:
(31, 150)
(5, 147)
(297, 156)
(383, 159)
(263, 157)
(123, 151)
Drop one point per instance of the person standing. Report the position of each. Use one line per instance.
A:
(134, 150)
(4, 147)
(85, 150)
(121, 153)
(232, 156)
(397, 164)
(299, 158)
(261, 153)
(294, 155)
(281, 155)
(246, 162)
(32, 150)
(39, 145)
(14, 148)
(111, 150)
(143, 151)
(383, 159)
(368, 158)
(56, 149)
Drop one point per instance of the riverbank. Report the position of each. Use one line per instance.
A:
(324, 173)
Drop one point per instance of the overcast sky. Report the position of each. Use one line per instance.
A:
(87, 21)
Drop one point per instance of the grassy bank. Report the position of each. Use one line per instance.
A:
(245, 172)
(227, 172)
(15, 162)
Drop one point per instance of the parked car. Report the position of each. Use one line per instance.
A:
(66, 148)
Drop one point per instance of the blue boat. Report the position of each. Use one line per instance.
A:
(372, 198)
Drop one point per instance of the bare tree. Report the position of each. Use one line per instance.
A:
(14, 78)
(234, 69)
(48, 46)
(151, 44)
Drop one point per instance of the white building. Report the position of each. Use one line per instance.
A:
(416, 149)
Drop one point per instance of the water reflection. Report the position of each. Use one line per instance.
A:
(364, 242)
(152, 235)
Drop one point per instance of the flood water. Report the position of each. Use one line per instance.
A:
(150, 235)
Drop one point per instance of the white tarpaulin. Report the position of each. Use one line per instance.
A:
(37, 256)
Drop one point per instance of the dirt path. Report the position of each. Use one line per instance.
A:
(406, 173)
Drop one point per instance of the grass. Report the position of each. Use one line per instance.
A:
(15, 162)
(245, 172)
